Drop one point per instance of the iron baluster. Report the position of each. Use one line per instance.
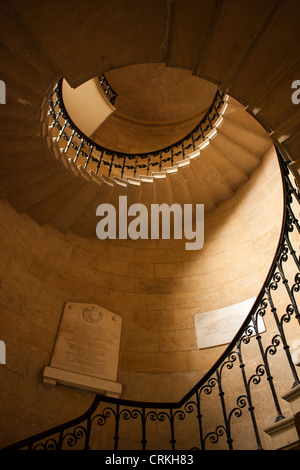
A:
(189, 408)
(117, 421)
(287, 287)
(53, 104)
(60, 439)
(267, 369)
(160, 157)
(135, 167)
(69, 141)
(241, 401)
(148, 165)
(78, 150)
(226, 422)
(283, 337)
(171, 420)
(207, 388)
(248, 394)
(56, 118)
(199, 418)
(193, 142)
(292, 251)
(62, 130)
(88, 433)
(111, 164)
(123, 166)
(143, 421)
(182, 149)
(290, 189)
(99, 161)
(294, 220)
(216, 110)
(89, 157)
(209, 120)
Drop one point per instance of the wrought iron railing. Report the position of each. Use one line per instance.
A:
(228, 407)
(110, 94)
(92, 156)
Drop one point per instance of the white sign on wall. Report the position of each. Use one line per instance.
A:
(86, 351)
(218, 327)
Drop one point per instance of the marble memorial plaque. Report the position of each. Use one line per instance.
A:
(218, 327)
(86, 348)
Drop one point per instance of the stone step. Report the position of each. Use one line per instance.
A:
(236, 113)
(176, 188)
(236, 153)
(197, 190)
(161, 189)
(285, 434)
(233, 174)
(133, 191)
(221, 170)
(293, 398)
(254, 143)
(146, 192)
(215, 185)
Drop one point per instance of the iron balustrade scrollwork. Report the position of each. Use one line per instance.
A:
(243, 383)
(81, 148)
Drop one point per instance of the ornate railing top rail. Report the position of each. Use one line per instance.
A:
(201, 431)
(88, 153)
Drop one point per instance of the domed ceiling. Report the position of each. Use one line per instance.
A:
(156, 105)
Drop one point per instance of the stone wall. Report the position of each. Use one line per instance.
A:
(156, 286)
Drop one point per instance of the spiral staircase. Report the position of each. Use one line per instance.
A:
(52, 189)
(38, 179)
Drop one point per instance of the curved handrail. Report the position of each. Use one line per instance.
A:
(123, 161)
(287, 221)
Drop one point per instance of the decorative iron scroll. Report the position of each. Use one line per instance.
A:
(233, 398)
(83, 150)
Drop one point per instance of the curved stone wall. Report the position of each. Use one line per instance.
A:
(156, 286)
